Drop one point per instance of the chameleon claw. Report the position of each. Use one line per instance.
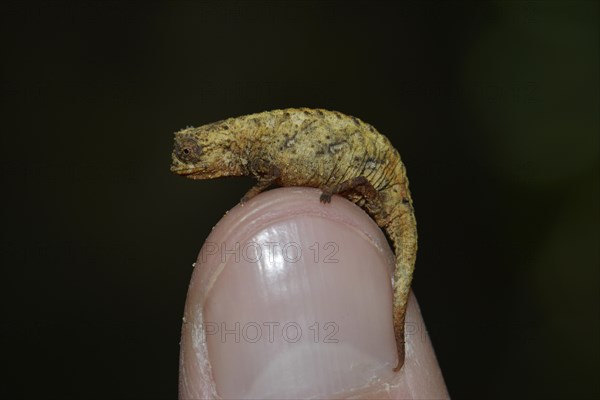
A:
(325, 198)
(326, 194)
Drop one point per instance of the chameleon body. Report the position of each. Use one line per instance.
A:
(315, 148)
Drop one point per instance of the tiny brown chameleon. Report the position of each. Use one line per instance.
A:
(317, 148)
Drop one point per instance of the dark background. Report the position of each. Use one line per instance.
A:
(493, 106)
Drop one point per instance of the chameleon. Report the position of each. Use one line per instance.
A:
(337, 153)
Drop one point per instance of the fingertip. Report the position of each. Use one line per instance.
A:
(257, 320)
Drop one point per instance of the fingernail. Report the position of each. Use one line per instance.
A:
(291, 298)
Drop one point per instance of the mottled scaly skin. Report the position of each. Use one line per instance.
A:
(315, 148)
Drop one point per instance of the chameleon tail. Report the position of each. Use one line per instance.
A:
(402, 230)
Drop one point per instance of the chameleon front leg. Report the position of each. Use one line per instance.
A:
(265, 173)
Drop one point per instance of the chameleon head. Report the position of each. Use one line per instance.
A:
(204, 153)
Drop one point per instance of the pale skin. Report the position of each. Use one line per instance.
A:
(337, 153)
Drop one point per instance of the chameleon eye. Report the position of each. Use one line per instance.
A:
(188, 151)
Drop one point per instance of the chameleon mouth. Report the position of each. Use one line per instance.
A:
(192, 172)
(183, 170)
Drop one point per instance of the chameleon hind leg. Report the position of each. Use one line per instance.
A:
(362, 186)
